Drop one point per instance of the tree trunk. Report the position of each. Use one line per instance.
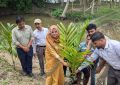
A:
(55, 1)
(81, 2)
(92, 8)
(65, 9)
(62, 3)
(84, 6)
(119, 3)
(72, 5)
(107, 1)
(87, 2)
(98, 4)
(110, 3)
(115, 2)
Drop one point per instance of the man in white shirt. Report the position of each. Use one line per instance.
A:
(39, 43)
(108, 51)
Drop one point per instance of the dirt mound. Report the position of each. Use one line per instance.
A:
(111, 29)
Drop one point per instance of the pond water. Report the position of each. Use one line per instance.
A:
(29, 19)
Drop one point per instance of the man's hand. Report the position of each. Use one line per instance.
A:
(98, 69)
(26, 49)
(89, 43)
(101, 65)
(35, 55)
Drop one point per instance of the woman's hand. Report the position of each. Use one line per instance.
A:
(65, 64)
(62, 61)
(77, 71)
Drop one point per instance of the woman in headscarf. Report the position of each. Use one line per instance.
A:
(54, 63)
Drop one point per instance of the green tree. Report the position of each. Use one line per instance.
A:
(3, 3)
(39, 3)
(20, 5)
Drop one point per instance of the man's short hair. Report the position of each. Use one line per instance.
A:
(97, 36)
(19, 19)
(91, 26)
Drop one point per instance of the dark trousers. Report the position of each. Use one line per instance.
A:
(113, 77)
(40, 54)
(93, 72)
(65, 69)
(25, 59)
(86, 72)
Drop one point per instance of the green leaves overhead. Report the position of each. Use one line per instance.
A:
(72, 34)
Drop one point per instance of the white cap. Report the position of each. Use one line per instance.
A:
(37, 21)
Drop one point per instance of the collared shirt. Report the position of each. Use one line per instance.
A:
(39, 38)
(83, 47)
(111, 54)
(22, 36)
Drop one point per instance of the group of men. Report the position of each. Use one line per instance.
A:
(90, 71)
(106, 51)
(29, 43)
(106, 57)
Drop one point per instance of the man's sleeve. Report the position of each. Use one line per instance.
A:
(117, 48)
(92, 58)
(14, 39)
(31, 33)
(34, 43)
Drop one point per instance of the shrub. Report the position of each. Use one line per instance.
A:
(57, 12)
(20, 5)
(87, 16)
(75, 16)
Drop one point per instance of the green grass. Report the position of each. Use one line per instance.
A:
(29, 19)
(102, 15)
(0, 46)
(106, 14)
(103, 10)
